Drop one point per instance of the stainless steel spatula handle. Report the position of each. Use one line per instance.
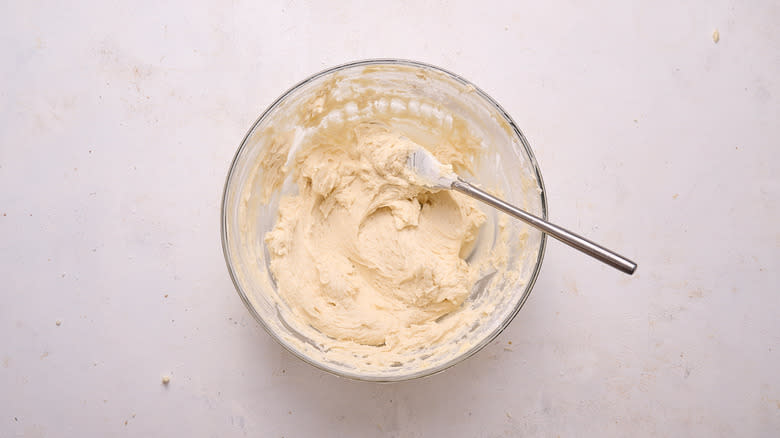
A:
(578, 242)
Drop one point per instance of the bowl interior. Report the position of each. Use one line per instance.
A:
(424, 103)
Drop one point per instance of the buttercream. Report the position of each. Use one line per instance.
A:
(363, 252)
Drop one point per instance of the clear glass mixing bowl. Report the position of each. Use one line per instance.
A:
(506, 165)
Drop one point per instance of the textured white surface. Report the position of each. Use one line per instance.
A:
(117, 125)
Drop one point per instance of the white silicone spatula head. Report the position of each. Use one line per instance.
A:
(429, 171)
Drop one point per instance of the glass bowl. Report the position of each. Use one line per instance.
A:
(505, 165)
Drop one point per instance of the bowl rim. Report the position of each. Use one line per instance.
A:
(474, 348)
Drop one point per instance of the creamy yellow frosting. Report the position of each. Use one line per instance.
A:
(364, 253)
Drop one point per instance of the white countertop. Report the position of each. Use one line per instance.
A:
(118, 125)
